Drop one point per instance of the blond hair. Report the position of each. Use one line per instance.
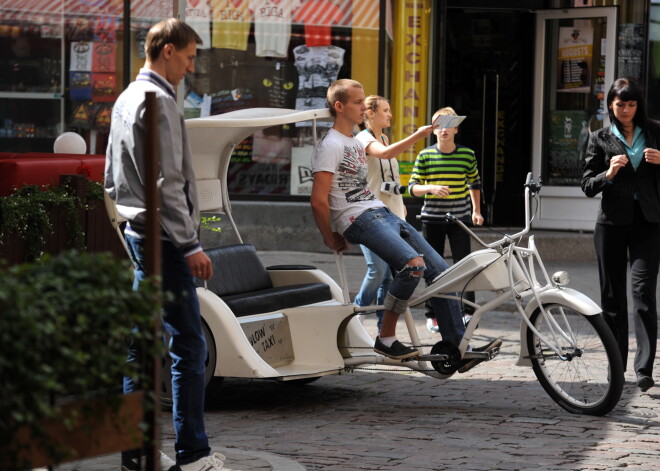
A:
(372, 102)
(338, 92)
(446, 111)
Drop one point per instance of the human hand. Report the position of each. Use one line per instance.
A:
(652, 156)
(200, 265)
(337, 242)
(439, 190)
(616, 163)
(477, 218)
(425, 131)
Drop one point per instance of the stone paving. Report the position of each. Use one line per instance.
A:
(494, 417)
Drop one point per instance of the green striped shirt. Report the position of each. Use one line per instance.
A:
(457, 170)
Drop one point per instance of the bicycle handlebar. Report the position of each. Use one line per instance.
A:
(532, 188)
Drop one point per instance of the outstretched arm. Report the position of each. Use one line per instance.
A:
(378, 150)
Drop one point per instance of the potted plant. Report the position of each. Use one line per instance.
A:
(65, 324)
(48, 219)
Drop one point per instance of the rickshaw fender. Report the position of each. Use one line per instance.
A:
(235, 355)
(565, 296)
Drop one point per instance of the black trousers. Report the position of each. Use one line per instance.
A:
(639, 243)
(459, 242)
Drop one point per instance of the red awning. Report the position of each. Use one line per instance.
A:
(356, 13)
(46, 11)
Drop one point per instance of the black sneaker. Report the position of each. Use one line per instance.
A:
(397, 351)
(469, 364)
(644, 383)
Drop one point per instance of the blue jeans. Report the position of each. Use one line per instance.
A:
(376, 282)
(397, 242)
(187, 348)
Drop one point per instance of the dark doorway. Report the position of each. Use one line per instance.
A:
(488, 76)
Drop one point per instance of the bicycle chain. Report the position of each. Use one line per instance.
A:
(371, 348)
(402, 369)
(395, 370)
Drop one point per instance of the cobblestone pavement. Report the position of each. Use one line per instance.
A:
(494, 417)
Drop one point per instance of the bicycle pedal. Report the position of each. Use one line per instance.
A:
(493, 353)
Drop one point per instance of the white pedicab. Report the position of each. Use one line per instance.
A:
(295, 323)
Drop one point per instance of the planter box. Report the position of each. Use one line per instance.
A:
(107, 430)
(99, 235)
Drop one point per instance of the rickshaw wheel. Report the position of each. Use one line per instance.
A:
(450, 365)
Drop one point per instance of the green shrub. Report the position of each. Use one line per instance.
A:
(65, 325)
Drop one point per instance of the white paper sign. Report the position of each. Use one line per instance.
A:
(81, 57)
(447, 121)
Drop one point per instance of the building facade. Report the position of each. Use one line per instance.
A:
(530, 75)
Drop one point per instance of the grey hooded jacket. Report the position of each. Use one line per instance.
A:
(124, 168)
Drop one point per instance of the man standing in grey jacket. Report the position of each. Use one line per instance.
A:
(171, 48)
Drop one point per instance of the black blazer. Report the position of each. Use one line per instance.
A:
(616, 207)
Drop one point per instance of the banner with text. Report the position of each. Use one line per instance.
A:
(410, 71)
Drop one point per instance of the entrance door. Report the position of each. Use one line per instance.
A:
(487, 77)
(574, 63)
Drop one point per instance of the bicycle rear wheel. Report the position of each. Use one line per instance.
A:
(588, 376)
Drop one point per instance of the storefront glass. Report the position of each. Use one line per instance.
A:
(653, 80)
(576, 85)
(61, 67)
(284, 54)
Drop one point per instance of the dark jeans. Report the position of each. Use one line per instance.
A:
(182, 320)
(397, 242)
(640, 243)
(459, 242)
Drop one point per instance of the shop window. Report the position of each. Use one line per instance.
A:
(61, 67)
(576, 84)
(285, 54)
(653, 81)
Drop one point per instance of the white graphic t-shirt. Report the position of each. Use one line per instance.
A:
(198, 16)
(272, 26)
(349, 194)
(318, 67)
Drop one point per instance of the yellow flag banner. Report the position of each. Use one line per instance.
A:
(410, 64)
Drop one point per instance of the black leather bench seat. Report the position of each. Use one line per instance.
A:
(241, 280)
(275, 299)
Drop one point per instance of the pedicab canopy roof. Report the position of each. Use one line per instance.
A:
(212, 140)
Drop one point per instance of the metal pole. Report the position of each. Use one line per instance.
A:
(126, 75)
(152, 256)
(382, 46)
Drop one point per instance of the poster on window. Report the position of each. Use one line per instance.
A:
(575, 54)
(301, 171)
(630, 51)
(569, 133)
(81, 57)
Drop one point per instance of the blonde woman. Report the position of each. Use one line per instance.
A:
(382, 168)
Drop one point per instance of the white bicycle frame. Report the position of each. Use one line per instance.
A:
(500, 268)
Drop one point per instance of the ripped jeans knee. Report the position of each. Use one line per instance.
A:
(412, 270)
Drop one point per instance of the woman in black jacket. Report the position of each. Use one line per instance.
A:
(623, 163)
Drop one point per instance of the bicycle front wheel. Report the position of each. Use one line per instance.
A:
(587, 378)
